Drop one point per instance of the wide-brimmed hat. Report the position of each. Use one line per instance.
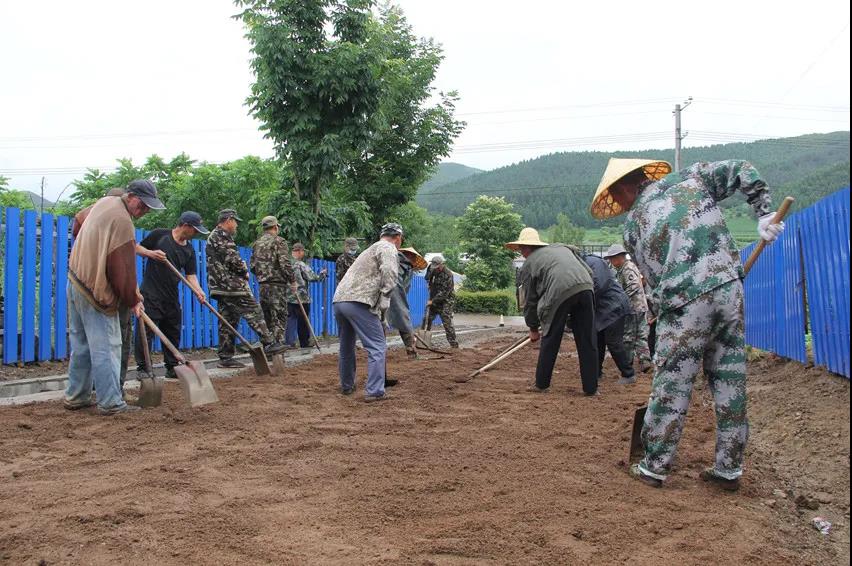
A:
(415, 258)
(527, 237)
(603, 205)
(614, 250)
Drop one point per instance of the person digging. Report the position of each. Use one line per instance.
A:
(677, 235)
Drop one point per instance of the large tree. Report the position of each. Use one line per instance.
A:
(487, 224)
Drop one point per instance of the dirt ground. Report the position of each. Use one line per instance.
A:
(289, 471)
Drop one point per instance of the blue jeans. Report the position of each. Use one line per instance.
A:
(354, 320)
(95, 353)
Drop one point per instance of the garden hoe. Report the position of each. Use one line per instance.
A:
(506, 353)
(258, 357)
(637, 451)
(193, 378)
(150, 386)
(308, 322)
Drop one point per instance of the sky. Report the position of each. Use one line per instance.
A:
(85, 83)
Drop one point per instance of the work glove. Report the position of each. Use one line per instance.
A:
(384, 304)
(767, 230)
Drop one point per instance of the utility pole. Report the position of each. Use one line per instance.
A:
(42, 196)
(678, 135)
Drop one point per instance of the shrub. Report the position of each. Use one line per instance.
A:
(486, 302)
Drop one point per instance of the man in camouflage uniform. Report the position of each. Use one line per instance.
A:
(442, 298)
(636, 323)
(227, 280)
(296, 323)
(346, 259)
(270, 263)
(676, 233)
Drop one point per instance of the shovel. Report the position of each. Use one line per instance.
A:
(258, 358)
(495, 361)
(308, 322)
(637, 451)
(423, 334)
(193, 378)
(150, 387)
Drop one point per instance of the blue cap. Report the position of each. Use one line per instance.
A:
(193, 219)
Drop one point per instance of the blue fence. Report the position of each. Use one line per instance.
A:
(803, 277)
(35, 252)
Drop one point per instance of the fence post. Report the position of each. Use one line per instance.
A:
(10, 286)
(45, 287)
(28, 289)
(60, 328)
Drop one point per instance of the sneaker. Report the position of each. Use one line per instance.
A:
(536, 389)
(349, 391)
(230, 363)
(76, 406)
(627, 380)
(709, 475)
(374, 398)
(390, 382)
(637, 474)
(116, 410)
(274, 348)
(595, 394)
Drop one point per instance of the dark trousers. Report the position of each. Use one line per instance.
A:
(612, 337)
(169, 321)
(581, 310)
(297, 325)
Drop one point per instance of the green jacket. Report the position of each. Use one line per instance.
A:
(550, 276)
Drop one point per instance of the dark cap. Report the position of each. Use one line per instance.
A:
(227, 214)
(298, 246)
(191, 218)
(147, 193)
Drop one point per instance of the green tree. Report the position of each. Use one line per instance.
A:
(315, 90)
(487, 224)
(13, 199)
(409, 136)
(565, 231)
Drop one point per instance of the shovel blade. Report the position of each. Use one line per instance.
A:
(278, 366)
(258, 358)
(425, 336)
(150, 391)
(637, 451)
(195, 384)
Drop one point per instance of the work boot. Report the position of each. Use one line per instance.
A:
(116, 410)
(454, 346)
(274, 348)
(637, 474)
(78, 405)
(411, 352)
(709, 475)
(230, 363)
(374, 398)
(536, 389)
(627, 380)
(170, 373)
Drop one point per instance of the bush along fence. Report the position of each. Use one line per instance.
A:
(35, 250)
(800, 286)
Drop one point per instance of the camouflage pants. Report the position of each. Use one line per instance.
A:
(636, 338)
(273, 302)
(233, 309)
(707, 331)
(445, 310)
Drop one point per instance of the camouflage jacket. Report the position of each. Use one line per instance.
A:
(227, 274)
(630, 279)
(676, 233)
(342, 265)
(371, 278)
(270, 261)
(441, 286)
(304, 276)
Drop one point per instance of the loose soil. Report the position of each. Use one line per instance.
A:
(290, 471)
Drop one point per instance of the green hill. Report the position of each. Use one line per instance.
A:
(805, 167)
(447, 173)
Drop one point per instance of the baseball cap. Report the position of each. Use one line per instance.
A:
(147, 193)
(298, 246)
(269, 222)
(391, 229)
(192, 218)
(229, 213)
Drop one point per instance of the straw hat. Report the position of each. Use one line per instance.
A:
(527, 237)
(603, 205)
(415, 258)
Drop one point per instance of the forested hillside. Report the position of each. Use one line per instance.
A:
(447, 173)
(805, 167)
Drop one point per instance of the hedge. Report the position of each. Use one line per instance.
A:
(486, 302)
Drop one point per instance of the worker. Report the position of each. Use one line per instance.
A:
(346, 259)
(270, 263)
(442, 298)
(297, 323)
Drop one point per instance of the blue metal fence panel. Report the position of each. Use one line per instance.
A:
(45, 288)
(28, 288)
(825, 237)
(10, 285)
(60, 330)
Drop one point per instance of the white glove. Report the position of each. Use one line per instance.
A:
(384, 304)
(768, 231)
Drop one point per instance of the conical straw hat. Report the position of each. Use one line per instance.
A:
(603, 205)
(415, 258)
(527, 237)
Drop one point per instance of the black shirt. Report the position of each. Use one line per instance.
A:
(160, 284)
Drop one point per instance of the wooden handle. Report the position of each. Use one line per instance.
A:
(145, 349)
(758, 249)
(503, 356)
(166, 342)
(310, 327)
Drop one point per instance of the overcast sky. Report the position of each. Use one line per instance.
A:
(84, 83)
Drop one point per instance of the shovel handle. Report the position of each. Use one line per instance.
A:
(308, 321)
(501, 357)
(207, 304)
(143, 335)
(166, 342)
(758, 249)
